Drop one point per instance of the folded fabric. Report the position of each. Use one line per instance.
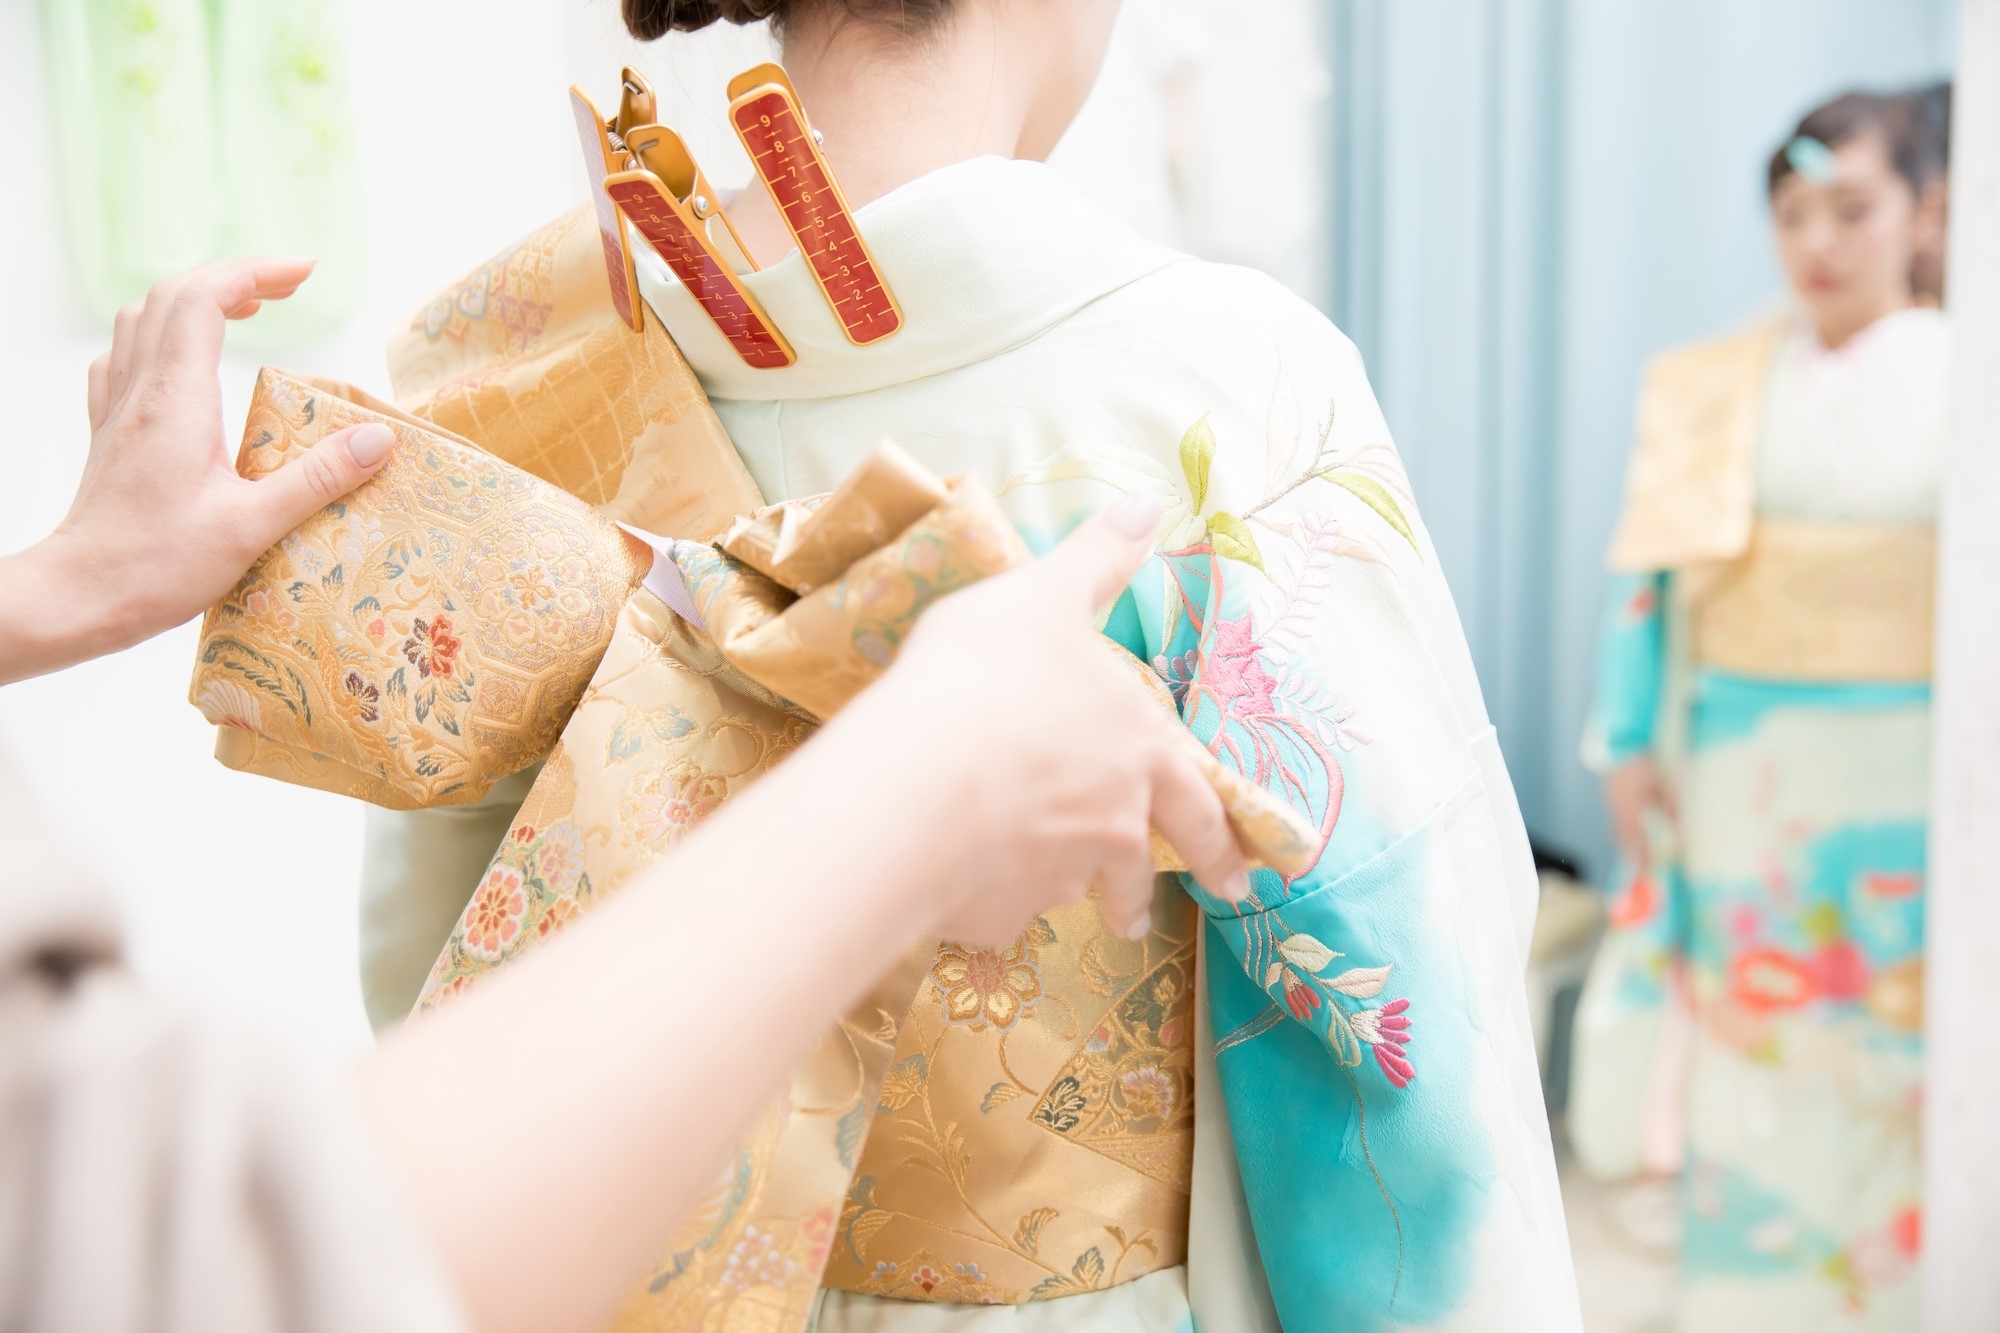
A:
(719, 668)
(422, 638)
(526, 356)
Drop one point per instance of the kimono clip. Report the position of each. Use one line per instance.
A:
(603, 154)
(785, 151)
(667, 200)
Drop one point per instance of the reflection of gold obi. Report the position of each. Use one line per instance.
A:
(1691, 487)
(1035, 1135)
(1821, 601)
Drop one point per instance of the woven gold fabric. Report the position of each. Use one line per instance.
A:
(1035, 1136)
(1050, 1082)
(1691, 487)
(668, 731)
(527, 356)
(1822, 601)
(422, 638)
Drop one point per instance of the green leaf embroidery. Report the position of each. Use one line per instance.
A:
(849, 1132)
(1231, 537)
(997, 1095)
(1028, 1231)
(1346, 1046)
(1376, 496)
(1197, 455)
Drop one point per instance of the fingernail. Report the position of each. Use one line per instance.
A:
(370, 444)
(1237, 887)
(1135, 514)
(1139, 929)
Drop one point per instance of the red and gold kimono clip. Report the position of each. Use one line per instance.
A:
(603, 154)
(669, 202)
(785, 150)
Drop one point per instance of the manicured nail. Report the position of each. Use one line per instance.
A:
(1136, 514)
(370, 444)
(1139, 929)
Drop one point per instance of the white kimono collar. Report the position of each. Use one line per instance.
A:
(982, 255)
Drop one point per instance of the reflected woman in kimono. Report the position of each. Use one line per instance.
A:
(1319, 1110)
(1762, 721)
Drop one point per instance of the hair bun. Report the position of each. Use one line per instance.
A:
(650, 19)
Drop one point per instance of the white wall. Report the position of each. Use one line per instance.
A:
(241, 889)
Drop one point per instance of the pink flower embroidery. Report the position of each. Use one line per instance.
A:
(1387, 1033)
(1300, 998)
(432, 647)
(1235, 672)
(493, 918)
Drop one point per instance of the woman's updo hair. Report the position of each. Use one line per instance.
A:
(648, 19)
(1897, 118)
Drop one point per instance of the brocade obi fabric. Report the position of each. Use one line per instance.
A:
(417, 641)
(528, 357)
(1691, 487)
(1822, 601)
(1052, 1078)
(1035, 1134)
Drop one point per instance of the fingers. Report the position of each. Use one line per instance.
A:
(184, 316)
(1189, 814)
(343, 460)
(1095, 562)
(1125, 889)
(100, 396)
(118, 361)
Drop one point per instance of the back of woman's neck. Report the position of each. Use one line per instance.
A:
(892, 110)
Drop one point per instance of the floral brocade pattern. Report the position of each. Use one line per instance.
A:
(1034, 1137)
(419, 639)
(527, 357)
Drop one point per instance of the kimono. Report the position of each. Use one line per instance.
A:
(1317, 1111)
(1768, 643)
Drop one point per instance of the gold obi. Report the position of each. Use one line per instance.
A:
(1035, 1135)
(423, 638)
(1820, 601)
(1021, 1128)
(528, 357)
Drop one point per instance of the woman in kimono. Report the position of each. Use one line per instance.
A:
(1762, 721)
(1317, 1111)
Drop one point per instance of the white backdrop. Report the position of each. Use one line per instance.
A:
(241, 890)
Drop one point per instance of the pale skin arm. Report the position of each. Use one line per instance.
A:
(1002, 767)
(1630, 791)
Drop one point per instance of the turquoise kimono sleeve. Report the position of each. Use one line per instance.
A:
(1366, 1054)
(1631, 670)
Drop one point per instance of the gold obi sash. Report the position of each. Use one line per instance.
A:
(1691, 487)
(1021, 1128)
(1820, 601)
(989, 1125)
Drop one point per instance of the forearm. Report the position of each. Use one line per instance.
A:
(54, 612)
(576, 1089)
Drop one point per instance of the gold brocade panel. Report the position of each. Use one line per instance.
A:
(1054, 1077)
(1821, 601)
(1035, 1134)
(423, 637)
(668, 731)
(1691, 485)
(527, 356)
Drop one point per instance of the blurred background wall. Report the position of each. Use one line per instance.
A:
(1507, 203)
